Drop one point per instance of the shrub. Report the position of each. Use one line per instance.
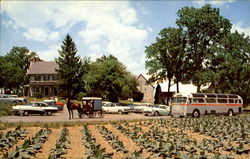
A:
(5, 109)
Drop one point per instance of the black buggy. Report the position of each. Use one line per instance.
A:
(91, 107)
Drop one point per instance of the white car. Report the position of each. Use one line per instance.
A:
(143, 108)
(34, 108)
(158, 110)
(115, 108)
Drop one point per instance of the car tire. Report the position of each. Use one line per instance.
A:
(25, 113)
(14, 103)
(196, 113)
(230, 112)
(119, 112)
(156, 114)
(49, 113)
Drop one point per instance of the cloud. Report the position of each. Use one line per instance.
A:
(212, 2)
(109, 27)
(240, 29)
(39, 34)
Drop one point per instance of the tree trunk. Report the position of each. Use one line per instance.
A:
(177, 86)
(169, 85)
(198, 88)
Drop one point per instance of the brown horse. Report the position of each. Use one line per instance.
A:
(73, 106)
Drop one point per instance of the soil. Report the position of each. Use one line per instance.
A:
(49, 144)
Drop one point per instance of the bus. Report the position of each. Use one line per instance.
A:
(196, 104)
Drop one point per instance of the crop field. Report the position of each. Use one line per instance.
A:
(205, 137)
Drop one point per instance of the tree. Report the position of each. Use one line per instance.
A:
(158, 95)
(14, 66)
(203, 27)
(166, 57)
(230, 66)
(71, 67)
(109, 79)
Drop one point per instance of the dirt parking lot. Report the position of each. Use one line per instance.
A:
(63, 116)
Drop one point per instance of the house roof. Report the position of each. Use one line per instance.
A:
(43, 67)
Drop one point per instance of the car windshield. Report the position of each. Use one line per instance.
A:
(179, 99)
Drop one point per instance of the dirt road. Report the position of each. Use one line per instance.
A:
(63, 116)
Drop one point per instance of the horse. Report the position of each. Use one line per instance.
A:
(73, 106)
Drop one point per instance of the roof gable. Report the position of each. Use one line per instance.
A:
(42, 67)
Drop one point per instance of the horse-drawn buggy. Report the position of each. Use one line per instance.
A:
(91, 107)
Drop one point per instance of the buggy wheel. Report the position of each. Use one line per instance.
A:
(91, 114)
(81, 116)
(100, 114)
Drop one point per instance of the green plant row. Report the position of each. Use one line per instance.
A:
(62, 145)
(31, 146)
(93, 150)
(112, 139)
(9, 139)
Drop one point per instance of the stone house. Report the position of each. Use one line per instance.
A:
(147, 89)
(42, 79)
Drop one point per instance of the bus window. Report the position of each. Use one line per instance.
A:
(211, 100)
(240, 101)
(179, 100)
(222, 100)
(231, 101)
(198, 100)
(236, 101)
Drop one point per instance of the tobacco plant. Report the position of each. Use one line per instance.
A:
(61, 145)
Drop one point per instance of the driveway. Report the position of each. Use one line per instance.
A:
(63, 116)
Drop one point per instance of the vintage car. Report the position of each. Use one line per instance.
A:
(34, 108)
(4, 98)
(158, 110)
(53, 103)
(115, 108)
(22, 100)
(142, 107)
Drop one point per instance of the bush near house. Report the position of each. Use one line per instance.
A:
(5, 109)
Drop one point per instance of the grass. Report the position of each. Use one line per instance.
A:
(5, 109)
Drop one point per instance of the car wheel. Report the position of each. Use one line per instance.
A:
(196, 113)
(156, 114)
(119, 112)
(14, 103)
(49, 113)
(230, 112)
(25, 113)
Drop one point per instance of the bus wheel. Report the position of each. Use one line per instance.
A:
(230, 112)
(196, 113)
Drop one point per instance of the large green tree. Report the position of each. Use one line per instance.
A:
(109, 79)
(13, 68)
(230, 66)
(166, 57)
(71, 68)
(203, 28)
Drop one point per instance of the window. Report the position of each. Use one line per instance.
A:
(222, 100)
(198, 100)
(37, 78)
(32, 78)
(46, 78)
(211, 100)
(231, 101)
(179, 100)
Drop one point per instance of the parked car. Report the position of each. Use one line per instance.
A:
(21, 99)
(4, 98)
(115, 108)
(158, 110)
(53, 103)
(34, 108)
(142, 108)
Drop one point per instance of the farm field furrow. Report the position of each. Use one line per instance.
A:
(49, 144)
(31, 131)
(205, 137)
(76, 149)
(103, 143)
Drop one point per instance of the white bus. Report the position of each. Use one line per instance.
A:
(196, 104)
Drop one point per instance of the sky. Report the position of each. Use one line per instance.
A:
(120, 28)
